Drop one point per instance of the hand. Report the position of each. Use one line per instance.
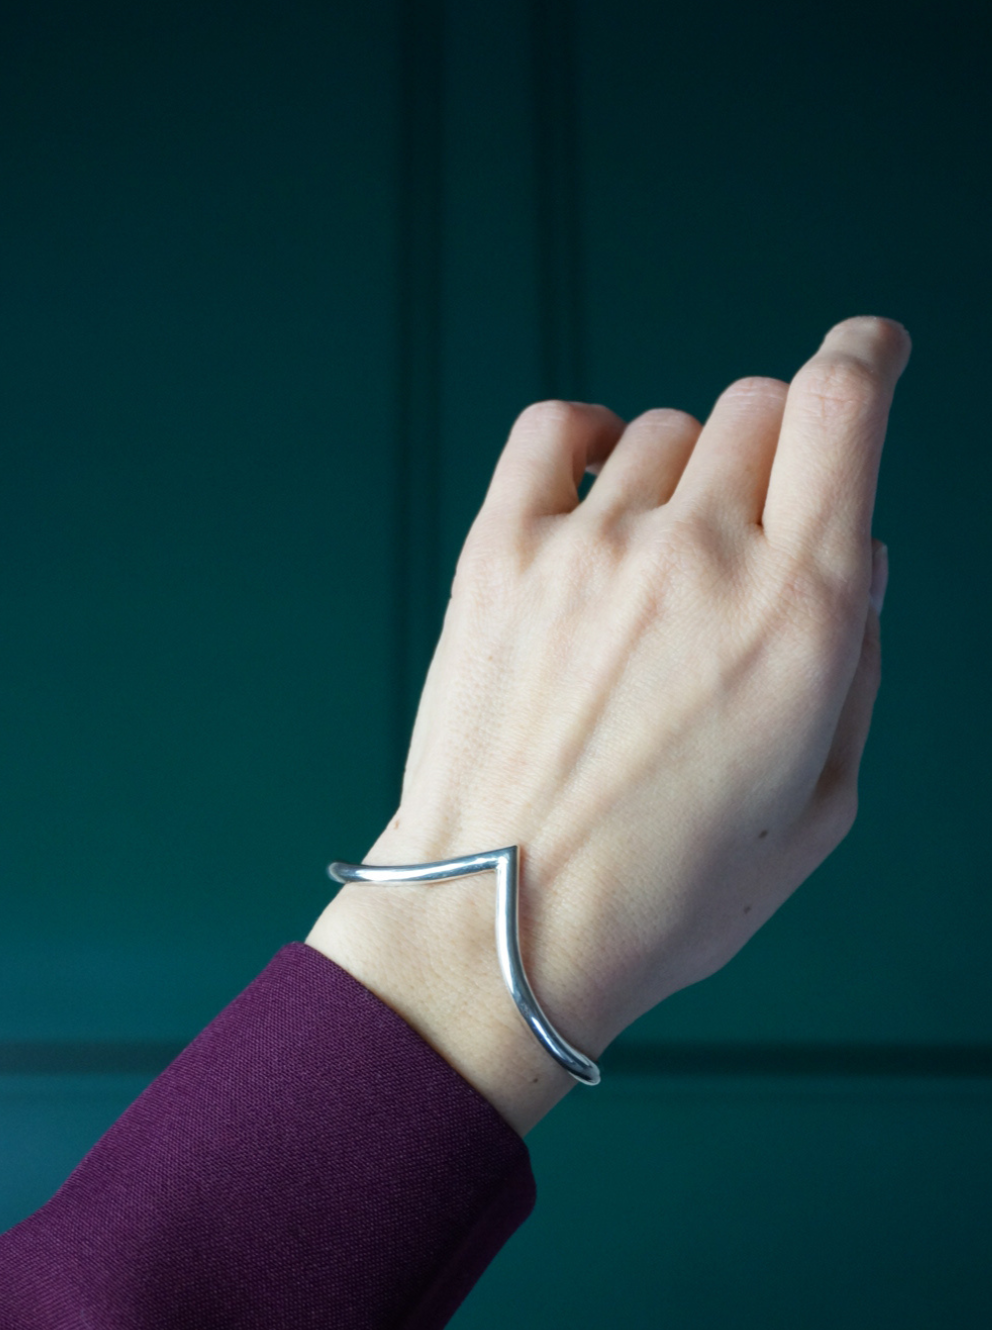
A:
(661, 693)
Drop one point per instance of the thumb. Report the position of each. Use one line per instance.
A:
(840, 773)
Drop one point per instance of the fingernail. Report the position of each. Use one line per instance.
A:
(860, 335)
(879, 576)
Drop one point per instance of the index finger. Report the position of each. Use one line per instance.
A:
(821, 493)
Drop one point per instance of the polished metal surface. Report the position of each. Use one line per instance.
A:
(506, 864)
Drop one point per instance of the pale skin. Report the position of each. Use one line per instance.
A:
(661, 694)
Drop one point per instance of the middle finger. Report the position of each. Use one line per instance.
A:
(727, 475)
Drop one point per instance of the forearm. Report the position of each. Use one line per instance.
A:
(308, 1159)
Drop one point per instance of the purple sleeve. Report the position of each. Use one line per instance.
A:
(309, 1160)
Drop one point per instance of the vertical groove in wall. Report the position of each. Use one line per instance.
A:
(416, 609)
(556, 194)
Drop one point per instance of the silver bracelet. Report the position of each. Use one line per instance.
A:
(511, 964)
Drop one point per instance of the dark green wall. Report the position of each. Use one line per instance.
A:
(275, 280)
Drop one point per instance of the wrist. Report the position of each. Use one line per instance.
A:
(428, 951)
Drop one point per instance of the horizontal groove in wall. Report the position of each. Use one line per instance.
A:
(799, 1060)
(75, 1057)
(149, 1057)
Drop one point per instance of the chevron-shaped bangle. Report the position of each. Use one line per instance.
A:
(511, 964)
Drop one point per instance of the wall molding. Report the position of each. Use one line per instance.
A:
(415, 519)
(799, 1060)
(557, 201)
(888, 1061)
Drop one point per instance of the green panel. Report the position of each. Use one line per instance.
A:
(699, 1205)
(271, 305)
(47, 1125)
(684, 1203)
(491, 336)
(749, 176)
(199, 283)
(745, 179)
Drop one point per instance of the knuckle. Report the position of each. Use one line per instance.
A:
(840, 595)
(757, 386)
(682, 555)
(665, 417)
(489, 565)
(838, 382)
(490, 536)
(552, 413)
(820, 609)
